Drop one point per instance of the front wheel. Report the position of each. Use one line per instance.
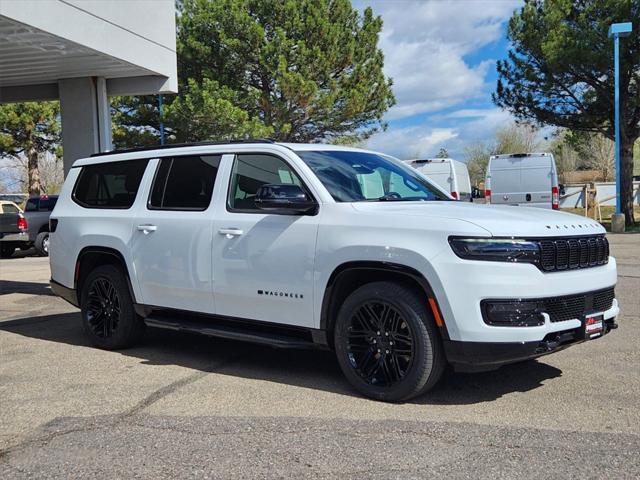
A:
(108, 316)
(387, 344)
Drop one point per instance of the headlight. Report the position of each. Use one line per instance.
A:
(496, 249)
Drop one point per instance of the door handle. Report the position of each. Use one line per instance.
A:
(146, 229)
(230, 232)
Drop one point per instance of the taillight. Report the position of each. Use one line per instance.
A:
(22, 223)
(555, 198)
(487, 196)
(454, 195)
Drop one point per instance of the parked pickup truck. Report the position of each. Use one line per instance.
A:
(13, 228)
(287, 245)
(37, 211)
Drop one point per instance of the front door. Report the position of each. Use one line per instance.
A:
(173, 233)
(263, 263)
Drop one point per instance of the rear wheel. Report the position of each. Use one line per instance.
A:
(108, 316)
(6, 250)
(42, 244)
(387, 344)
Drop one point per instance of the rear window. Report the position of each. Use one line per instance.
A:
(42, 204)
(9, 208)
(47, 204)
(109, 185)
(32, 205)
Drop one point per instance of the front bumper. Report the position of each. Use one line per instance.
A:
(484, 356)
(14, 237)
(460, 287)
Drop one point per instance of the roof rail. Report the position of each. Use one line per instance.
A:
(178, 145)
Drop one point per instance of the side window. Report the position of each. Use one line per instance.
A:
(184, 183)
(109, 185)
(250, 172)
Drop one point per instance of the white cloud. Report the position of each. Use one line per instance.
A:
(424, 141)
(425, 44)
(411, 142)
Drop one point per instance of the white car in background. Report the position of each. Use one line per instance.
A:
(449, 174)
(522, 179)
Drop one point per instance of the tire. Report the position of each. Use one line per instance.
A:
(394, 368)
(108, 316)
(42, 244)
(6, 250)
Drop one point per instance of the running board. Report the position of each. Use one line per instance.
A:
(242, 333)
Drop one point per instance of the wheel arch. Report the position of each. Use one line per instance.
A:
(349, 276)
(94, 256)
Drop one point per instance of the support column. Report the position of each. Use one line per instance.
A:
(86, 120)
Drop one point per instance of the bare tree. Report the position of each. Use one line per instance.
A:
(600, 156)
(476, 155)
(517, 138)
(15, 173)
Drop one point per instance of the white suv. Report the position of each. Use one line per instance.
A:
(324, 246)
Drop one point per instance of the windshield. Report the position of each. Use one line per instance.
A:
(361, 176)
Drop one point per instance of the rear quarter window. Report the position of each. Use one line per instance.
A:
(109, 185)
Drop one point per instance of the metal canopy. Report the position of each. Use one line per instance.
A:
(29, 56)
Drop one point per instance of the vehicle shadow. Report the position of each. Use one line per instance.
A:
(22, 254)
(305, 368)
(32, 288)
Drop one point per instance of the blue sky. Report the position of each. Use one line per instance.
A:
(441, 56)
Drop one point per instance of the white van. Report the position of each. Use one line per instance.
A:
(449, 174)
(526, 179)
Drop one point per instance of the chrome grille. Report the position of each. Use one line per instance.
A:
(577, 252)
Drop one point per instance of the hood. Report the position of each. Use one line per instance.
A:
(499, 220)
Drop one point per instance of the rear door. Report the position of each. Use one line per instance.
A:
(505, 180)
(173, 234)
(462, 181)
(536, 177)
(439, 173)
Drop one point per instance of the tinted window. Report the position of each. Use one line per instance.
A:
(184, 183)
(360, 176)
(8, 208)
(250, 172)
(109, 185)
(32, 205)
(47, 203)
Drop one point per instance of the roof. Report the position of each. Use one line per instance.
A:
(432, 160)
(202, 148)
(521, 155)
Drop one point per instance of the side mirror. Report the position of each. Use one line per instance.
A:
(284, 199)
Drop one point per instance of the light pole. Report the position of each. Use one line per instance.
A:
(617, 30)
(161, 119)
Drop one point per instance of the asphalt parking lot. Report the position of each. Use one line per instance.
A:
(183, 405)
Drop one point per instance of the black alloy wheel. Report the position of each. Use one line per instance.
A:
(387, 343)
(103, 308)
(108, 314)
(380, 343)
